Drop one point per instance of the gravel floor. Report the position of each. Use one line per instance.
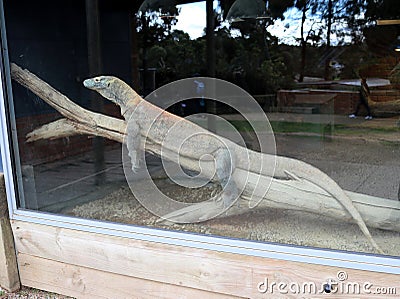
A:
(272, 225)
(29, 293)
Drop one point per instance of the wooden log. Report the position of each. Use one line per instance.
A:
(100, 123)
(9, 277)
(66, 128)
(377, 212)
(284, 194)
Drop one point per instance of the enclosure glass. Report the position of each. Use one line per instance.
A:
(282, 85)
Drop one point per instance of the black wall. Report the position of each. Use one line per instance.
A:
(49, 39)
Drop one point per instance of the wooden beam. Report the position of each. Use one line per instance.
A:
(84, 282)
(387, 22)
(9, 277)
(169, 264)
(82, 264)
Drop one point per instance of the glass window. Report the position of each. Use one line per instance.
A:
(276, 122)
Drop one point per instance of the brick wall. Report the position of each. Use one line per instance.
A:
(381, 69)
(385, 95)
(344, 101)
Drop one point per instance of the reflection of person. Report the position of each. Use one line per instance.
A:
(200, 92)
(364, 94)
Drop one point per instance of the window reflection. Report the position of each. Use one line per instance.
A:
(325, 73)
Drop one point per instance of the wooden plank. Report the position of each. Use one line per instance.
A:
(9, 278)
(82, 282)
(169, 264)
(297, 280)
(388, 22)
(216, 272)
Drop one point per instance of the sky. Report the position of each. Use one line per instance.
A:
(192, 19)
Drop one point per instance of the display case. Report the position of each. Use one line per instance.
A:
(144, 161)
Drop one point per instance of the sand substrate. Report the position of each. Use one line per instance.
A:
(266, 225)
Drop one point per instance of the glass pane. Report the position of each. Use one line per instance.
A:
(281, 123)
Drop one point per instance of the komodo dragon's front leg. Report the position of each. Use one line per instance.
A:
(115, 92)
(133, 142)
(120, 93)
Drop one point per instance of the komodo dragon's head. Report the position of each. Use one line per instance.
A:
(111, 88)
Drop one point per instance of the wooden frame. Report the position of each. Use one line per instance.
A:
(86, 265)
(9, 277)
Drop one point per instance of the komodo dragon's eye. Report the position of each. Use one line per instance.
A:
(97, 80)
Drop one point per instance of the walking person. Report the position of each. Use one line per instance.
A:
(364, 95)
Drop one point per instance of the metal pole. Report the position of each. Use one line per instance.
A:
(95, 69)
(210, 49)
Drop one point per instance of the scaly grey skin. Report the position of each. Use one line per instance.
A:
(143, 112)
(119, 92)
(225, 166)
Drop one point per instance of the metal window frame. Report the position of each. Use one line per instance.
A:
(342, 259)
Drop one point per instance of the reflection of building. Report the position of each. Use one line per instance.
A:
(341, 96)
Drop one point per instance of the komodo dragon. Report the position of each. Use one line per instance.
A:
(151, 122)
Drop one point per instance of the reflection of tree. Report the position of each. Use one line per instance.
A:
(334, 17)
(246, 59)
(325, 23)
(153, 26)
(305, 6)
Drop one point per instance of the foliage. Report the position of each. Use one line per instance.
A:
(382, 9)
(380, 39)
(274, 75)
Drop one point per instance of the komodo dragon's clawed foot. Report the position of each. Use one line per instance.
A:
(225, 166)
